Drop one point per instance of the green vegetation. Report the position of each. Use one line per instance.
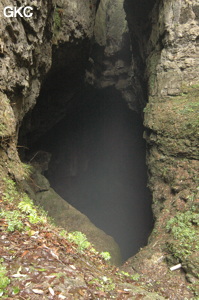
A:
(16, 290)
(27, 170)
(134, 277)
(57, 19)
(103, 284)
(176, 115)
(4, 280)
(14, 218)
(26, 206)
(63, 233)
(184, 230)
(10, 193)
(57, 22)
(79, 239)
(105, 255)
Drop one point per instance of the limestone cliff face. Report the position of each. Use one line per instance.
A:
(26, 55)
(111, 63)
(74, 20)
(72, 33)
(24, 59)
(171, 120)
(171, 114)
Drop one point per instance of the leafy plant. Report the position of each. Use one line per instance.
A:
(13, 220)
(134, 277)
(26, 205)
(4, 280)
(105, 255)
(16, 290)
(80, 239)
(10, 193)
(63, 233)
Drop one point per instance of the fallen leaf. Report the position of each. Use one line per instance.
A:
(36, 291)
(24, 253)
(51, 291)
(50, 276)
(54, 253)
(47, 234)
(31, 232)
(122, 292)
(81, 292)
(73, 267)
(18, 275)
(100, 293)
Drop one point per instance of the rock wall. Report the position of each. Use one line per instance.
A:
(25, 56)
(171, 121)
(24, 60)
(72, 31)
(111, 63)
(27, 46)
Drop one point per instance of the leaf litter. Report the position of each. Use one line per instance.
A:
(42, 264)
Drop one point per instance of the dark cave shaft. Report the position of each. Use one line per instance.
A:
(98, 153)
(98, 166)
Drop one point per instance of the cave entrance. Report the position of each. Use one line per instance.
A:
(98, 166)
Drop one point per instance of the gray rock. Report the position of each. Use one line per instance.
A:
(66, 216)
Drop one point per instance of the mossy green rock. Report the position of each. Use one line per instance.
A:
(174, 123)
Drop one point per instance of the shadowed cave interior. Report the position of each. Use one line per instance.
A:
(98, 166)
